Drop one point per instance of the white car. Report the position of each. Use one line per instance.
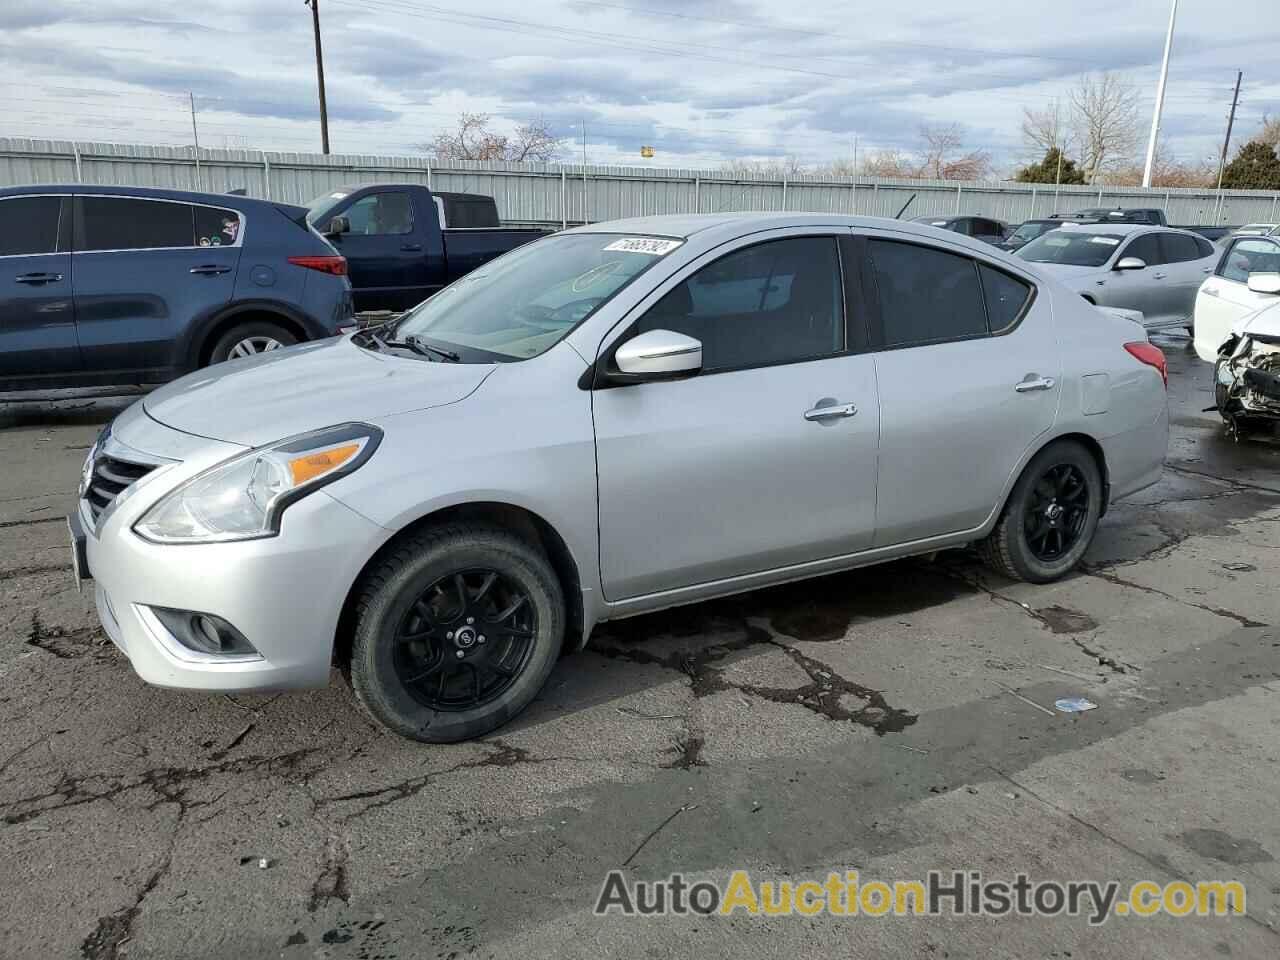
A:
(1247, 279)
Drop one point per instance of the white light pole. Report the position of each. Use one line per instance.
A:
(1155, 119)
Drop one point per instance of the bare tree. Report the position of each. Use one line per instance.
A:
(1043, 130)
(942, 142)
(775, 167)
(1166, 171)
(888, 163)
(472, 139)
(1105, 115)
(1269, 132)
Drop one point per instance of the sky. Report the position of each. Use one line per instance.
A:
(702, 81)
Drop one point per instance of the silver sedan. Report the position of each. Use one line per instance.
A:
(1154, 270)
(610, 421)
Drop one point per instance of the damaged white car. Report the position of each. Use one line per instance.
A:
(1246, 386)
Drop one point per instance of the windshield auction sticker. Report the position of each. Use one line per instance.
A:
(956, 893)
(654, 246)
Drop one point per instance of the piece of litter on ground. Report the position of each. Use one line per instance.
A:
(1239, 567)
(1074, 704)
(971, 789)
(263, 863)
(1014, 693)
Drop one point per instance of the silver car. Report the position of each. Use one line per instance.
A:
(609, 421)
(1155, 270)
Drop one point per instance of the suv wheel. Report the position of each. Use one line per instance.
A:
(1050, 518)
(456, 632)
(248, 339)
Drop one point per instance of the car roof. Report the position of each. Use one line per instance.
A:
(1116, 228)
(728, 226)
(227, 200)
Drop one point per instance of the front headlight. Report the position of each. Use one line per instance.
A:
(242, 498)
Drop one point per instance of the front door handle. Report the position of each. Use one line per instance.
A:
(1034, 383)
(38, 278)
(831, 412)
(211, 269)
(1160, 276)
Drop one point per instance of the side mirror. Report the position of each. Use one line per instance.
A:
(338, 225)
(659, 355)
(1131, 263)
(1264, 282)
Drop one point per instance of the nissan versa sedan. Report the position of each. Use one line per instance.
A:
(612, 420)
(1155, 270)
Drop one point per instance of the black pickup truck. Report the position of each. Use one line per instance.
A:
(403, 242)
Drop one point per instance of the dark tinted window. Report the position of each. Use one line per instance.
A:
(1250, 255)
(926, 294)
(771, 303)
(1204, 247)
(1179, 248)
(118, 223)
(29, 225)
(216, 228)
(381, 214)
(1145, 248)
(1005, 297)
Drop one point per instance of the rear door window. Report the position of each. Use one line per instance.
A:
(1179, 248)
(29, 225)
(216, 227)
(1005, 297)
(126, 223)
(926, 295)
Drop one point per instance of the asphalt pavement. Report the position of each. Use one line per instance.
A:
(892, 721)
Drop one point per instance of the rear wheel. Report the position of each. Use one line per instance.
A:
(456, 632)
(249, 339)
(1050, 518)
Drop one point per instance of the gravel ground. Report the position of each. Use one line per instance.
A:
(891, 720)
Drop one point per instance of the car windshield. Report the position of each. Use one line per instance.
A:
(522, 304)
(1076, 248)
(1029, 231)
(318, 208)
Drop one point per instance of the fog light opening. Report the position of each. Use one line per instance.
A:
(204, 633)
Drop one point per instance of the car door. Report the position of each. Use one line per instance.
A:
(37, 315)
(1189, 261)
(766, 458)
(143, 277)
(1225, 297)
(1150, 289)
(968, 370)
(386, 250)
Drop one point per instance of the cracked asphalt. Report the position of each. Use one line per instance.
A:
(890, 720)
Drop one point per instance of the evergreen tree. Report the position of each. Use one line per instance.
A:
(1046, 171)
(1255, 167)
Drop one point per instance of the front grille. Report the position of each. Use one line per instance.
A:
(111, 476)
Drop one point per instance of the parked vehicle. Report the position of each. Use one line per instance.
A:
(1246, 373)
(755, 399)
(403, 242)
(980, 228)
(1156, 271)
(124, 285)
(1027, 231)
(1152, 216)
(1257, 229)
(1240, 285)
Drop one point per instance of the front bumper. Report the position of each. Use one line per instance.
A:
(283, 593)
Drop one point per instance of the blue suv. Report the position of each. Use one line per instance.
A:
(125, 285)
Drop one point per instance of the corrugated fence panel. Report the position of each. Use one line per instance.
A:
(552, 194)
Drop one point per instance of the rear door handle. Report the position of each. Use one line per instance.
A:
(38, 278)
(411, 247)
(831, 412)
(1034, 383)
(211, 268)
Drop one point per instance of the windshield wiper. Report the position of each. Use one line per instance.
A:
(409, 343)
(417, 343)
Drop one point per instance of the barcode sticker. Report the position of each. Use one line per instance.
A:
(654, 246)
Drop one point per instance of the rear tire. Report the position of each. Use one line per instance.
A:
(248, 339)
(1050, 518)
(436, 655)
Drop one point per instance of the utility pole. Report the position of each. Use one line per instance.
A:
(584, 170)
(195, 134)
(1155, 118)
(324, 109)
(1226, 143)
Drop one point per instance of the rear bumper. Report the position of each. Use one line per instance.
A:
(1135, 459)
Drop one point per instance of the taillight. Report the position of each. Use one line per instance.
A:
(1152, 356)
(334, 265)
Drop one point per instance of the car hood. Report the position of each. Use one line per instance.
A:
(274, 395)
(1265, 322)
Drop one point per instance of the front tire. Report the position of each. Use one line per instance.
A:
(456, 632)
(1050, 518)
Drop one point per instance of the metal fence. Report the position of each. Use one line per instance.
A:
(560, 194)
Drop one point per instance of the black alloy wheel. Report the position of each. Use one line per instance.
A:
(1056, 512)
(465, 640)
